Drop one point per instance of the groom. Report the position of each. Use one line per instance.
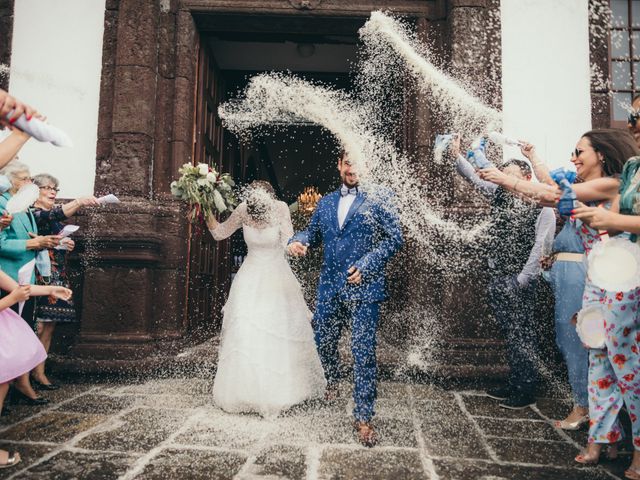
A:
(360, 232)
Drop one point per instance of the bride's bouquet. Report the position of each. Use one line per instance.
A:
(204, 190)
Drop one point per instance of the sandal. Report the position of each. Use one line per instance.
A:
(571, 426)
(632, 473)
(13, 459)
(610, 453)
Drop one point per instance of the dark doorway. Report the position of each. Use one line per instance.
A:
(232, 49)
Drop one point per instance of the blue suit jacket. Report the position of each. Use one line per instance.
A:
(13, 241)
(369, 237)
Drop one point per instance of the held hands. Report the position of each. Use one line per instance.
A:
(20, 294)
(297, 249)
(355, 277)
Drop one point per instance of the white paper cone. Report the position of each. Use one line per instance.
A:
(24, 278)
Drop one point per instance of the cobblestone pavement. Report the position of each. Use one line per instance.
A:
(168, 429)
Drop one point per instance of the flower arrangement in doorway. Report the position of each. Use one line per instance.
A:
(204, 189)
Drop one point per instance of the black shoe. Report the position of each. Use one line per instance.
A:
(22, 398)
(501, 393)
(41, 386)
(518, 402)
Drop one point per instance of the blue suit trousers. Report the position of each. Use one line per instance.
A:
(329, 319)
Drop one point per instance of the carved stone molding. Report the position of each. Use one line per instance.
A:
(305, 4)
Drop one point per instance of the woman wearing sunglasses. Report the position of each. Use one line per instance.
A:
(623, 327)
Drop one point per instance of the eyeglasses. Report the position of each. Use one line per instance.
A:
(633, 117)
(24, 179)
(52, 189)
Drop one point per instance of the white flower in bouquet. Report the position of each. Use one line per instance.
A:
(203, 169)
(212, 177)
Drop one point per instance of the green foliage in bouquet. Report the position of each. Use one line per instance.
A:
(204, 190)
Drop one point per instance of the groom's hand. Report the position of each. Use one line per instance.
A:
(297, 249)
(355, 276)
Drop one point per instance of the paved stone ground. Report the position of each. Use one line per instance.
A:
(168, 429)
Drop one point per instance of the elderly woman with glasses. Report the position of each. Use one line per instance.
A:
(19, 244)
(50, 311)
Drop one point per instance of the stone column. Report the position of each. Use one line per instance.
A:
(135, 254)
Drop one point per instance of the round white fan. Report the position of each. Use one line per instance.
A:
(590, 326)
(614, 264)
(23, 199)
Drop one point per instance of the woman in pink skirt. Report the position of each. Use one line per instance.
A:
(20, 349)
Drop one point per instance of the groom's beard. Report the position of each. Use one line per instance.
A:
(349, 183)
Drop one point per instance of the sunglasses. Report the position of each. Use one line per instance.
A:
(576, 153)
(633, 117)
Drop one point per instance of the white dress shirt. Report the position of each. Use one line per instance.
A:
(343, 207)
(545, 231)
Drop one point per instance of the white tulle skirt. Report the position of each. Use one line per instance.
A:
(267, 359)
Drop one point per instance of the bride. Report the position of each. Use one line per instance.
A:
(267, 360)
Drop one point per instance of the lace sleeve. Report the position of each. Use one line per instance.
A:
(230, 225)
(286, 227)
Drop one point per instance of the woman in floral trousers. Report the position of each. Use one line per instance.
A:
(614, 371)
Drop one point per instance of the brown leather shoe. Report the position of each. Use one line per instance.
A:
(332, 393)
(366, 434)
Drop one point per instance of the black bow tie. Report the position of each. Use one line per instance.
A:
(344, 191)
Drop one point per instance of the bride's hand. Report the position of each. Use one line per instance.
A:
(211, 221)
(297, 249)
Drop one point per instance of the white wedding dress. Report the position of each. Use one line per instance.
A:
(267, 359)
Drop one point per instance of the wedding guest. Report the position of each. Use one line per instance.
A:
(49, 312)
(614, 371)
(599, 157)
(567, 270)
(20, 350)
(521, 233)
(19, 243)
